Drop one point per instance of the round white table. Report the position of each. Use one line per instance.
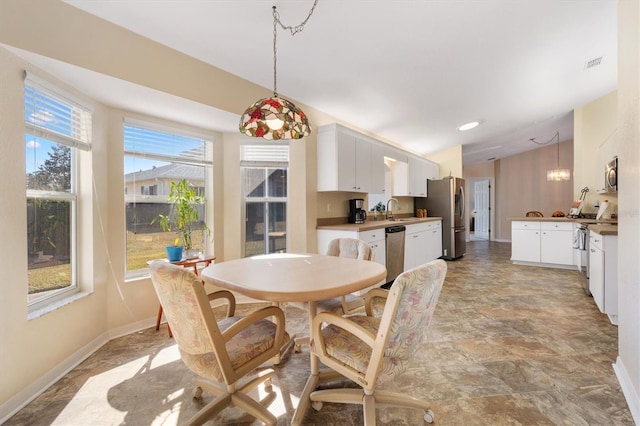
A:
(292, 277)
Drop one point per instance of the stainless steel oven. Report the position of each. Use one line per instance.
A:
(582, 239)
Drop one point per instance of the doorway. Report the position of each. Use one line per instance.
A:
(480, 208)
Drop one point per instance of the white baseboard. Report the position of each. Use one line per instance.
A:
(33, 390)
(630, 394)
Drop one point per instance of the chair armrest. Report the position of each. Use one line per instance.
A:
(254, 317)
(343, 322)
(371, 295)
(225, 294)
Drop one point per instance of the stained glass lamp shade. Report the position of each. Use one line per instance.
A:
(274, 118)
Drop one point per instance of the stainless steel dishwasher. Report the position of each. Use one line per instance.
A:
(395, 251)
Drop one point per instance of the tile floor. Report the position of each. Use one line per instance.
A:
(509, 345)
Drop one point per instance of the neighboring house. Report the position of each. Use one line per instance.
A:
(157, 180)
(146, 193)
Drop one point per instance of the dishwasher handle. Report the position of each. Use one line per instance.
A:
(394, 229)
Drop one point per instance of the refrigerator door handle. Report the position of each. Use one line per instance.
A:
(462, 203)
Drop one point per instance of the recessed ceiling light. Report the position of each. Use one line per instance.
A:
(468, 126)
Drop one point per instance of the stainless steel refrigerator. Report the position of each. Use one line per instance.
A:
(446, 198)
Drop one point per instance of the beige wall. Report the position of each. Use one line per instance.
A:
(522, 186)
(449, 160)
(593, 125)
(628, 364)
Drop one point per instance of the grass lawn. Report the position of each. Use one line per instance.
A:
(140, 249)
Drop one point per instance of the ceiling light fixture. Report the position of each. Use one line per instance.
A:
(556, 174)
(276, 118)
(468, 126)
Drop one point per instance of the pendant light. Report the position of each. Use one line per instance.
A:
(275, 117)
(556, 174)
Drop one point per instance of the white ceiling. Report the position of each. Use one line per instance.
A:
(410, 71)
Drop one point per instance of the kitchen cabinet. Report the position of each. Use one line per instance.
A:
(525, 242)
(556, 243)
(410, 177)
(377, 169)
(603, 273)
(348, 161)
(423, 243)
(542, 243)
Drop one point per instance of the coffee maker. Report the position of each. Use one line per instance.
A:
(357, 213)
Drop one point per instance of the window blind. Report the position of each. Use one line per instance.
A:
(264, 155)
(155, 144)
(53, 116)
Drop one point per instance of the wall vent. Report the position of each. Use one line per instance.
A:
(592, 63)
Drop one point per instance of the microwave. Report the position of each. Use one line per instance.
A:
(611, 176)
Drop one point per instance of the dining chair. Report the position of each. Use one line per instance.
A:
(371, 350)
(222, 353)
(354, 249)
(348, 304)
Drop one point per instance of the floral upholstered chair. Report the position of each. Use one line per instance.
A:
(372, 350)
(354, 249)
(221, 353)
(342, 247)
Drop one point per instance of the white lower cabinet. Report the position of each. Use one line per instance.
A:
(422, 244)
(603, 273)
(556, 243)
(525, 241)
(542, 243)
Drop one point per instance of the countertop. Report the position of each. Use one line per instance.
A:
(604, 229)
(563, 219)
(379, 224)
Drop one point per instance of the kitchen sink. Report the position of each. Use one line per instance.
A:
(406, 219)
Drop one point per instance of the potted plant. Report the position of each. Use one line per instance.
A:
(183, 218)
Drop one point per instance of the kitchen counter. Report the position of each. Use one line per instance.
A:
(604, 229)
(379, 224)
(564, 219)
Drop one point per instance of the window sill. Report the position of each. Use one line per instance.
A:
(37, 313)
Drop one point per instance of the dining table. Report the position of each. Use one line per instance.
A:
(296, 277)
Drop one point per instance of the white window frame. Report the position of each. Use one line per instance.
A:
(206, 161)
(256, 159)
(79, 139)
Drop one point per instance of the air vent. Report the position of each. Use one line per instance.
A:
(592, 63)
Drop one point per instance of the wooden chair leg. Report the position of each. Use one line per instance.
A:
(160, 319)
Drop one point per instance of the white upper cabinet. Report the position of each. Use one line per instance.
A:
(377, 169)
(352, 162)
(344, 160)
(410, 178)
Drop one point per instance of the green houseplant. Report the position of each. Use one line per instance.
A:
(184, 218)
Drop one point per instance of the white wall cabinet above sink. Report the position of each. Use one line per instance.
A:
(410, 178)
(349, 161)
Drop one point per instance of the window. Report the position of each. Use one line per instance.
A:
(264, 178)
(56, 127)
(155, 156)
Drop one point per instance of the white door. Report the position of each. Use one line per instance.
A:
(481, 203)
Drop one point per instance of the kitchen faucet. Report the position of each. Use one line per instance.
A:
(389, 212)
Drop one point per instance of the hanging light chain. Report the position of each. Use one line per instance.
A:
(294, 30)
(557, 135)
